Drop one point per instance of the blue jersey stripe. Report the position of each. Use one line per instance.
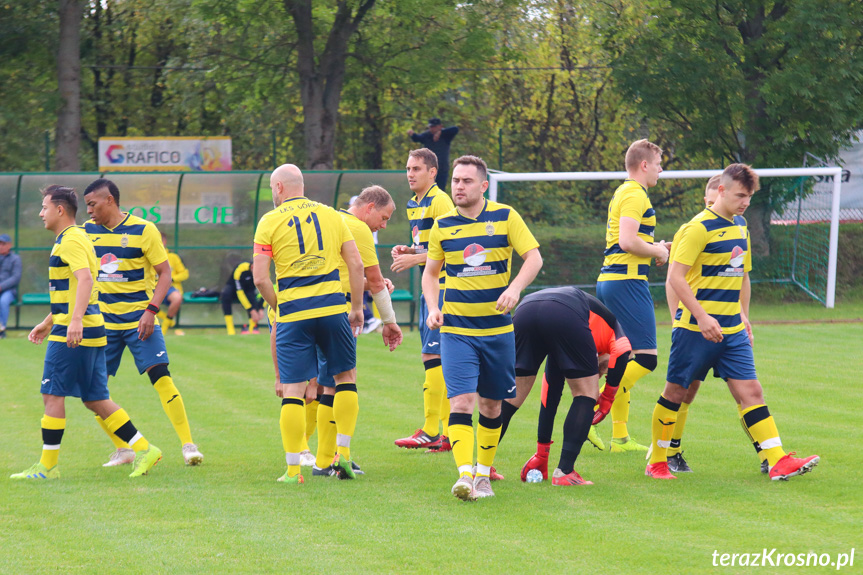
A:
(295, 282)
(649, 213)
(487, 242)
(130, 317)
(643, 269)
(713, 271)
(57, 308)
(615, 249)
(56, 262)
(89, 332)
(724, 320)
(716, 223)
(135, 296)
(724, 246)
(646, 230)
(725, 295)
(133, 230)
(481, 322)
(499, 267)
(130, 275)
(314, 302)
(121, 253)
(474, 295)
(58, 285)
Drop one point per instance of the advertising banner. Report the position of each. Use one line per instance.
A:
(180, 154)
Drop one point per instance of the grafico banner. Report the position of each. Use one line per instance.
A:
(168, 154)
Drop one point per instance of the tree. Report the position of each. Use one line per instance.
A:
(322, 74)
(754, 81)
(68, 138)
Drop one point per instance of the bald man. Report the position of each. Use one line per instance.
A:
(308, 240)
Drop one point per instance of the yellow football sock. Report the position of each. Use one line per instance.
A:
(311, 422)
(677, 434)
(229, 323)
(761, 456)
(175, 409)
(326, 432)
(163, 321)
(762, 428)
(118, 443)
(487, 438)
(461, 438)
(252, 324)
(52, 435)
(433, 391)
(620, 407)
(292, 423)
(444, 414)
(120, 424)
(346, 408)
(664, 418)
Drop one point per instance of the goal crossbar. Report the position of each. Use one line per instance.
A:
(495, 178)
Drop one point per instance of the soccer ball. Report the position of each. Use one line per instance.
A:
(534, 476)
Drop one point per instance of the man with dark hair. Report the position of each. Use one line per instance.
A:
(476, 241)
(75, 330)
(428, 202)
(10, 277)
(131, 254)
(240, 288)
(710, 269)
(437, 139)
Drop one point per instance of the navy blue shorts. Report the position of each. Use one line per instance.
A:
(75, 372)
(171, 290)
(483, 364)
(298, 344)
(147, 353)
(692, 356)
(430, 337)
(630, 302)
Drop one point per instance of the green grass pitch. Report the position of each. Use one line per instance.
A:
(230, 515)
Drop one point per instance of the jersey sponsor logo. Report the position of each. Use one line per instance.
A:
(455, 232)
(96, 239)
(415, 234)
(721, 234)
(474, 256)
(737, 255)
(108, 265)
(309, 263)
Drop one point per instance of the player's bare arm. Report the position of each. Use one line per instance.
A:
(75, 331)
(431, 291)
(261, 277)
(148, 320)
(528, 272)
(631, 243)
(41, 331)
(671, 297)
(745, 295)
(406, 261)
(351, 256)
(710, 328)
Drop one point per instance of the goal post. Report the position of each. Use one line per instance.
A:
(495, 178)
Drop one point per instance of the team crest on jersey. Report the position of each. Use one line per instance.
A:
(124, 241)
(737, 256)
(489, 229)
(474, 256)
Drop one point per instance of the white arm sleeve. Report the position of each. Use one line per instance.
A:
(385, 306)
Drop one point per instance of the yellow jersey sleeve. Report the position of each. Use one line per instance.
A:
(75, 252)
(152, 245)
(435, 251)
(632, 205)
(520, 237)
(693, 239)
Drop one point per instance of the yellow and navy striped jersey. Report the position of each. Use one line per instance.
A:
(73, 251)
(362, 235)
(630, 200)
(179, 271)
(127, 254)
(305, 239)
(718, 251)
(478, 257)
(422, 214)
